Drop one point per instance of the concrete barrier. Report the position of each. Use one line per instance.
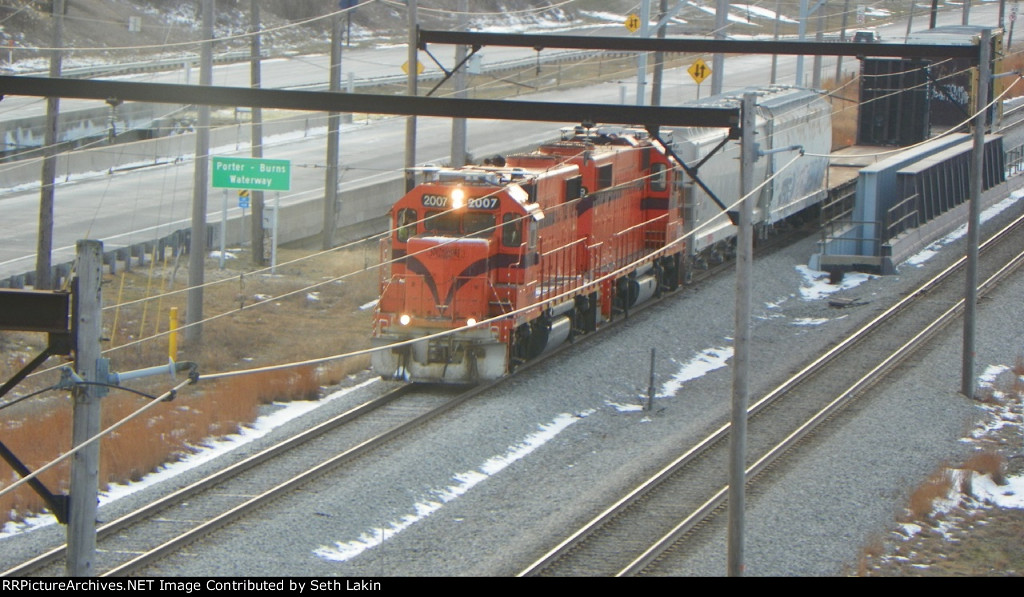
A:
(149, 152)
(363, 211)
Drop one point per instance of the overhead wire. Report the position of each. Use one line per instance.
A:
(551, 300)
(952, 130)
(348, 245)
(159, 399)
(238, 36)
(446, 12)
(592, 283)
(88, 442)
(169, 293)
(718, 215)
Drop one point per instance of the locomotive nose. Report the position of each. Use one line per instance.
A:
(454, 277)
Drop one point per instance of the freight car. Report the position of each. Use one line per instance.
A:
(489, 266)
(787, 118)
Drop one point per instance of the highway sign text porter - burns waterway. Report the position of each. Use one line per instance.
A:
(253, 174)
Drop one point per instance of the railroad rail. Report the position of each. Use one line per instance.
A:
(365, 427)
(152, 544)
(654, 522)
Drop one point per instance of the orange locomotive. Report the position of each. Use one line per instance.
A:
(521, 254)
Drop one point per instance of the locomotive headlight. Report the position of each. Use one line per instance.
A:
(458, 198)
(471, 322)
(404, 319)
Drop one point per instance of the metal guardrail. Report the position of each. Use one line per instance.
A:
(492, 69)
(147, 66)
(166, 64)
(902, 216)
(179, 239)
(120, 257)
(1014, 161)
(843, 232)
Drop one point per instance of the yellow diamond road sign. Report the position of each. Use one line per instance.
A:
(632, 23)
(699, 71)
(419, 67)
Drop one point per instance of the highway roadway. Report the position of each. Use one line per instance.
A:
(148, 203)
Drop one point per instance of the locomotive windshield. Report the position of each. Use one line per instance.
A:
(478, 224)
(455, 223)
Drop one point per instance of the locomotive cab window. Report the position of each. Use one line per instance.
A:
(479, 224)
(510, 231)
(659, 178)
(443, 222)
(604, 177)
(405, 224)
(574, 188)
(452, 223)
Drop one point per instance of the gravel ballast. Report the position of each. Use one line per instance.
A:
(465, 496)
(491, 486)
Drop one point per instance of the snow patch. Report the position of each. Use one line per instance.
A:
(209, 450)
(705, 361)
(464, 481)
(931, 250)
(816, 285)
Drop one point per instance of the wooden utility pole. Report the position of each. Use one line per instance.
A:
(842, 37)
(255, 58)
(718, 59)
(458, 157)
(412, 63)
(910, 22)
(801, 34)
(201, 182)
(818, 36)
(775, 57)
(49, 172)
(659, 56)
(333, 141)
(81, 531)
(641, 58)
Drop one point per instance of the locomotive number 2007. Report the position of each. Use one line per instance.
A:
(474, 203)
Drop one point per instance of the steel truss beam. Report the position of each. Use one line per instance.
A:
(691, 46)
(326, 101)
(37, 311)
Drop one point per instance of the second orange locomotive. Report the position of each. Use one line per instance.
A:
(514, 258)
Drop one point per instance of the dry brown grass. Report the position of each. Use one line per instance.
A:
(1018, 366)
(871, 552)
(294, 328)
(36, 442)
(922, 500)
(844, 97)
(988, 463)
(979, 542)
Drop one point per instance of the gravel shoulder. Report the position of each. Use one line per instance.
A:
(491, 487)
(486, 490)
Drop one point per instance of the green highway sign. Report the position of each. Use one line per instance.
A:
(251, 173)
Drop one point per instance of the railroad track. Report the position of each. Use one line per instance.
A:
(653, 525)
(132, 541)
